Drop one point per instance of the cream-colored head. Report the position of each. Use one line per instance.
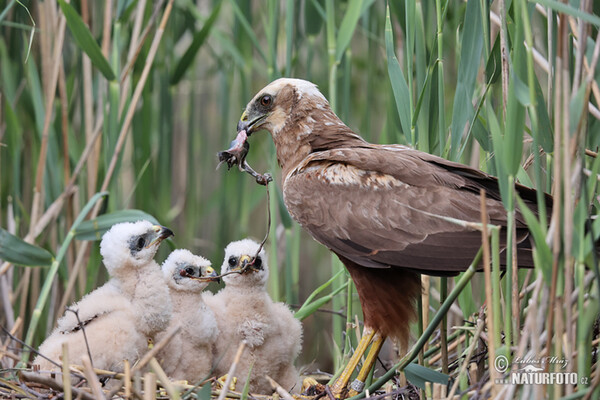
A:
(131, 244)
(237, 256)
(187, 272)
(279, 103)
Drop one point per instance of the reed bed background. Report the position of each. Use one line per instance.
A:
(122, 105)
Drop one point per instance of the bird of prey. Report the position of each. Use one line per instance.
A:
(385, 210)
(119, 317)
(189, 354)
(245, 311)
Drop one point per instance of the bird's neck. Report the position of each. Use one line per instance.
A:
(243, 292)
(311, 131)
(149, 296)
(186, 300)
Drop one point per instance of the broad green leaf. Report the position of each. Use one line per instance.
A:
(481, 134)
(199, 39)
(347, 27)
(308, 309)
(518, 98)
(542, 252)
(470, 58)
(493, 66)
(418, 375)
(309, 305)
(545, 134)
(84, 39)
(205, 392)
(399, 86)
(95, 228)
(515, 123)
(17, 251)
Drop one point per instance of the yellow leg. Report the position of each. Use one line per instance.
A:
(341, 382)
(358, 384)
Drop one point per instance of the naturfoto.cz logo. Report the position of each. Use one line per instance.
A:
(530, 374)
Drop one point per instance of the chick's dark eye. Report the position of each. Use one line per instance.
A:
(258, 263)
(232, 261)
(141, 243)
(266, 100)
(189, 271)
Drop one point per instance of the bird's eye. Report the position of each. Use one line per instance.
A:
(266, 100)
(232, 261)
(140, 243)
(190, 271)
(258, 263)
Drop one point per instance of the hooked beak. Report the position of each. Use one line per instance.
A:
(162, 232)
(250, 123)
(245, 264)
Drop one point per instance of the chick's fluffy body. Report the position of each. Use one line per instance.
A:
(244, 311)
(189, 354)
(120, 316)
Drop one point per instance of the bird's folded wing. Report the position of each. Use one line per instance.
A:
(392, 208)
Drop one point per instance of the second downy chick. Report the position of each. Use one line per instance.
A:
(188, 355)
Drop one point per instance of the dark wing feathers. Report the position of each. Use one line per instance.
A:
(391, 207)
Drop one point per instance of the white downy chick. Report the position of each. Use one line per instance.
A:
(188, 355)
(245, 311)
(122, 315)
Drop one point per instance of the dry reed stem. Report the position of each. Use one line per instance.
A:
(149, 386)
(92, 378)
(231, 371)
(280, 390)
(66, 376)
(127, 378)
(164, 379)
(53, 384)
(487, 273)
(545, 65)
(134, 101)
(468, 356)
(41, 167)
(425, 289)
(106, 29)
(453, 345)
(134, 44)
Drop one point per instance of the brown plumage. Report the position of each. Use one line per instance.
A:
(383, 209)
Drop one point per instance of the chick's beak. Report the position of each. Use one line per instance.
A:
(211, 275)
(161, 233)
(244, 260)
(208, 275)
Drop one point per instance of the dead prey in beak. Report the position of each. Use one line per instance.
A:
(236, 155)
